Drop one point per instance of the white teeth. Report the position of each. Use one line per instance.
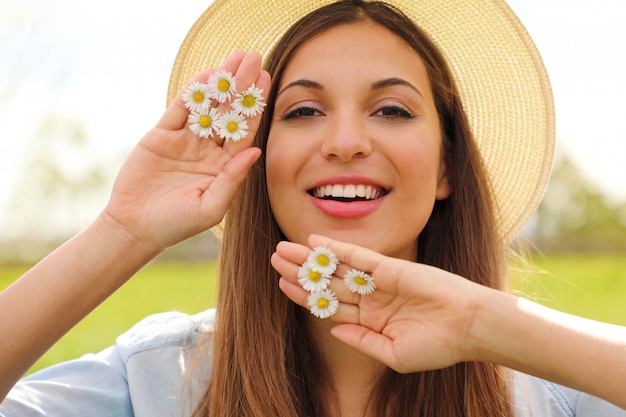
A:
(348, 191)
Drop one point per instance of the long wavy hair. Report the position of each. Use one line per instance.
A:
(263, 362)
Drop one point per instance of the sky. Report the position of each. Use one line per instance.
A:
(104, 67)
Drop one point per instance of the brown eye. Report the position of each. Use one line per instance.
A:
(301, 112)
(395, 111)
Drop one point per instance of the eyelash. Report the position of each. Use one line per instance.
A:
(306, 112)
(397, 112)
(299, 113)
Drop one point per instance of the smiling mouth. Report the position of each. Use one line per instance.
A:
(348, 192)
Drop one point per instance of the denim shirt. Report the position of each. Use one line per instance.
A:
(153, 370)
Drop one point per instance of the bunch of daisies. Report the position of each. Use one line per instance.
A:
(314, 276)
(205, 120)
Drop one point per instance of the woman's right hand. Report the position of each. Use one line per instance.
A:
(175, 184)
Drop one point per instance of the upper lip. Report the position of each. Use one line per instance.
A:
(348, 188)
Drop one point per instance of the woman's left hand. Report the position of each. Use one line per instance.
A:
(422, 318)
(418, 318)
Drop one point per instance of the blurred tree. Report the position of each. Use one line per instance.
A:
(575, 216)
(62, 188)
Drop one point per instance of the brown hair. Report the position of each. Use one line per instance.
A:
(263, 361)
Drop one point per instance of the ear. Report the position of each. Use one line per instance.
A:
(444, 185)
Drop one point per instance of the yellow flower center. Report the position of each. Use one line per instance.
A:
(360, 280)
(323, 260)
(248, 100)
(198, 96)
(223, 85)
(232, 127)
(315, 276)
(322, 303)
(204, 121)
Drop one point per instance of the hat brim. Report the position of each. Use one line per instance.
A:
(503, 83)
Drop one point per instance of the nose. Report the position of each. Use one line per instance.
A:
(347, 138)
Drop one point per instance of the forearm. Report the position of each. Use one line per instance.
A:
(59, 291)
(583, 354)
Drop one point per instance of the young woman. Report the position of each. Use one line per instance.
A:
(364, 140)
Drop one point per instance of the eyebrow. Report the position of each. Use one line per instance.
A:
(389, 82)
(302, 83)
(378, 85)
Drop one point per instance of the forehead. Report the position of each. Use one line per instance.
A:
(366, 45)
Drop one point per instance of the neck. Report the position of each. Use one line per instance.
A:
(353, 374)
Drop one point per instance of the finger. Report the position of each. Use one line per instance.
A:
(290, 256)
(356, 256)
(294, 292)
(290, 253)
(346, 313)
(385, 271)
(366, 341)
(285, 267)
(248, 70)
(247, 73)
(229, 179)
(175, 116)
(232, 62)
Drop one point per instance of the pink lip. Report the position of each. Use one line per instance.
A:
(347, 210)
(343, 210)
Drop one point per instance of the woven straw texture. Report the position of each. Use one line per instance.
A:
(503, 83)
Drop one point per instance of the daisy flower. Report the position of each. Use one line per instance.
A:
(222, 85)
(359, 282)
(233, 126)
(250, 102)
(323, 304)
(197, 97)
(323, 260)
(311, 280)
(204, 123)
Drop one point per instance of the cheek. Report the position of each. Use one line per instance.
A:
(282, 166)
(421, 165)
(286, 155)
(274, 166)
(279, 158)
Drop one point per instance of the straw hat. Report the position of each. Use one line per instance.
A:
(499, 72)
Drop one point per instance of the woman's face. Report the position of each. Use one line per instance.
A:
(354, 150)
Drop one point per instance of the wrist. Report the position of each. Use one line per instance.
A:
(489, 333)
(122, 239)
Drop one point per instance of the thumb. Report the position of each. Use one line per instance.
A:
(366, 341)
(228, 181)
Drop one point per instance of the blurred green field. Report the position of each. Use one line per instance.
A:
(158, 287)
(593, 286)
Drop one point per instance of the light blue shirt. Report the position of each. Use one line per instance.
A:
(153, 371)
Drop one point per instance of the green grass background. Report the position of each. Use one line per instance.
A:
(593, 286)
(158, 287)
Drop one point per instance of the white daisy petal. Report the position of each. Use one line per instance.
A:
(323, 260)
(359, 282)
(233, 126)
(249, 102)
(323, 304)
(205, 123)
(197, 97)
(312, 281)
(222, 85)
